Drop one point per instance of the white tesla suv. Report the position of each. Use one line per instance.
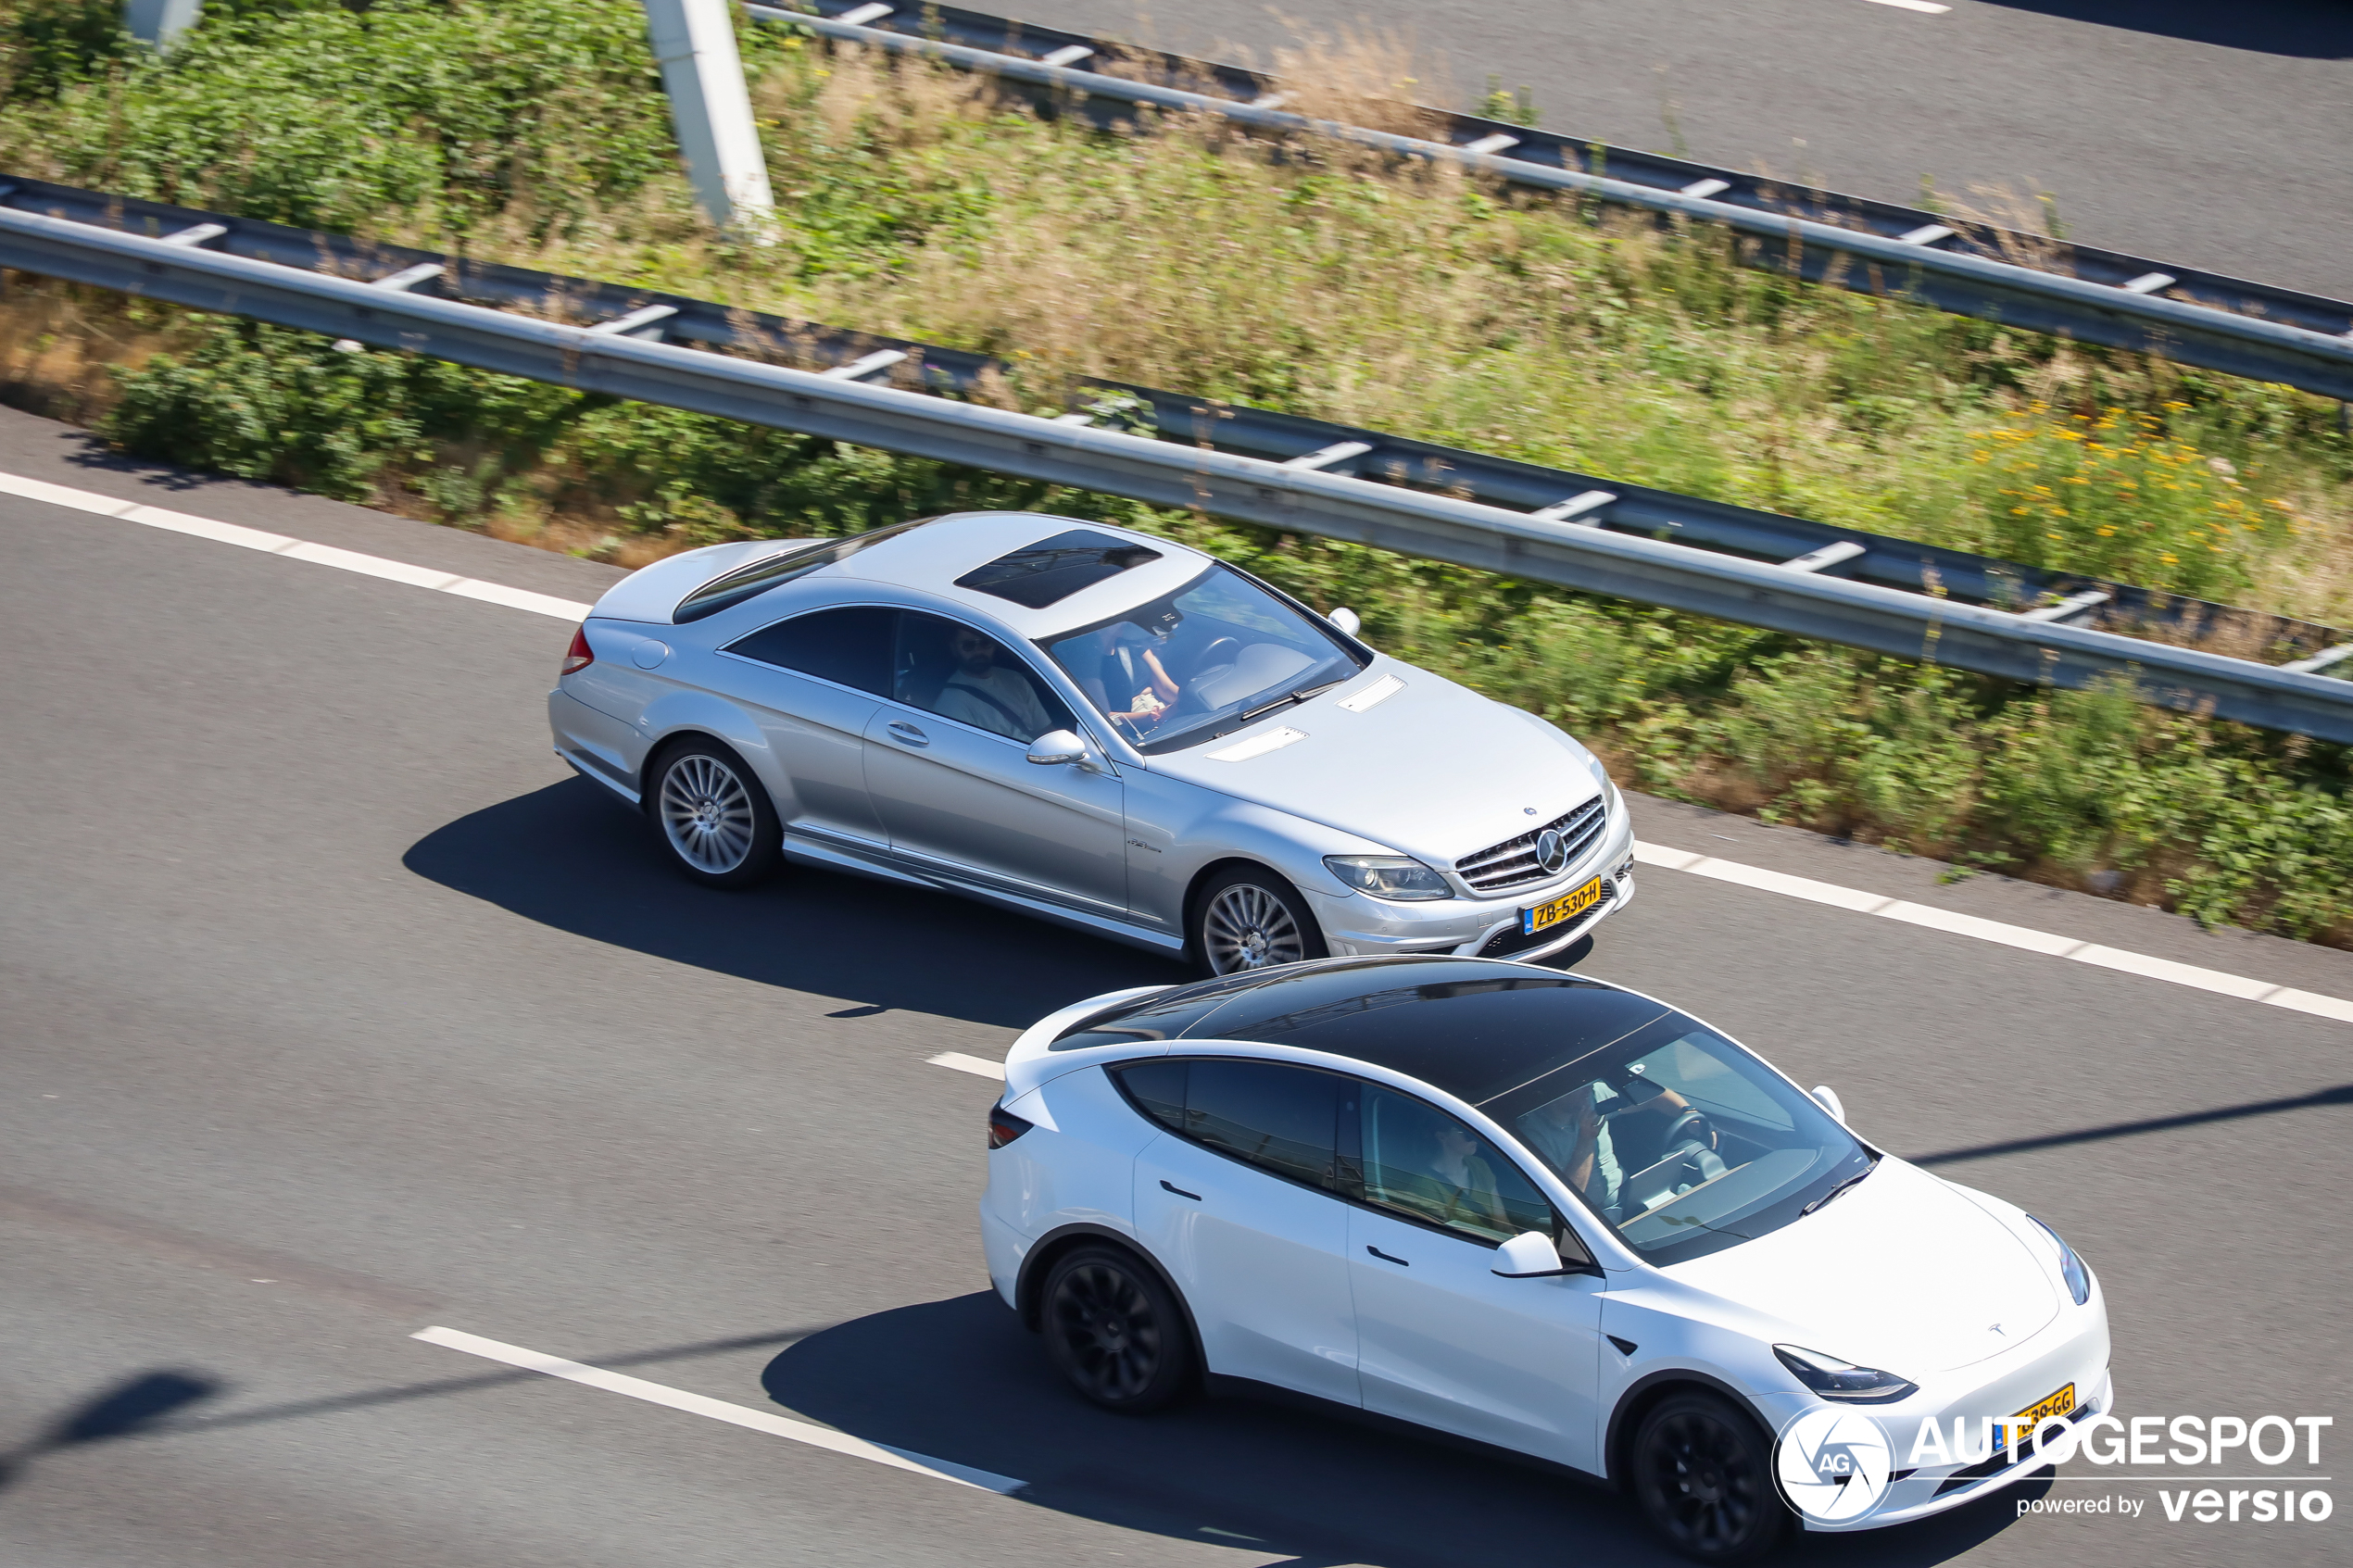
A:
(1532, 1210)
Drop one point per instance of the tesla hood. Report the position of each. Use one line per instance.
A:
(1905, 1273)
(1434, 770)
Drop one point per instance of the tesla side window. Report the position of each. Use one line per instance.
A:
(849, 646)
(961, 673)
(1201, 662)
(1271, 1115)
(1426, 1165)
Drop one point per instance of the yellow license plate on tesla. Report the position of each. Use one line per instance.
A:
(2020, 1427)
(1569, 906)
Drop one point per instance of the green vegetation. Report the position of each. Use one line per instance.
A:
(1324, 282)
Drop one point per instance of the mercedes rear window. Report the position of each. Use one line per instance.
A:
(730, 589)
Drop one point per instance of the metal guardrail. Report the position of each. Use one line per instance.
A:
(2106, 297)
(394, 310)
(1555, 494)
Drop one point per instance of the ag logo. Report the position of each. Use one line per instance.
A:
(1833, 1465)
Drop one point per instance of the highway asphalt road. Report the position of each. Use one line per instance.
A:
(334, 1007)
(2218, 136)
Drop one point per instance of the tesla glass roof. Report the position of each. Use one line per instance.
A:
(1051, 569)
(1474, 1029)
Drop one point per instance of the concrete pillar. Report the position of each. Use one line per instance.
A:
(159, 23)
(695, 41)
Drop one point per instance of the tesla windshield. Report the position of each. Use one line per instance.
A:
(1682, 1140)
(1201, 662)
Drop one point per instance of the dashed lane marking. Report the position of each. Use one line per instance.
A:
(980, 1066)
(1756, 877)
(718, 1409)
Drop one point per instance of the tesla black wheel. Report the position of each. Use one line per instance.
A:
(713, 816)
(1115, 1331)
(1702, 1473)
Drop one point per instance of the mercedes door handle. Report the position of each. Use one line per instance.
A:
(1180, 1192)
(1387, 1259)
(907, 735)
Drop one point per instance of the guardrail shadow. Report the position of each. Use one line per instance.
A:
(570, 857)
(960, 1380)
(2316, 30)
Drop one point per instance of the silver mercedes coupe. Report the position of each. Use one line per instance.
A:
(1090, 726)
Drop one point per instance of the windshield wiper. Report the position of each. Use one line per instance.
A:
(1302, 694)
(1835, 1191)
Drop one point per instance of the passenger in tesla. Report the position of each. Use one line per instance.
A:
(988, 695)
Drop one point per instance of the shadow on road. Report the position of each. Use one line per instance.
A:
(2317, 29)
(2341, 1094)
(570, 857)
(137, 1405)
(960, 1380)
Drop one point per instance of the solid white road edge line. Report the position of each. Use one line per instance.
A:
(718, 1409)
(294, 549)
(1649, 854)
(1994, 931)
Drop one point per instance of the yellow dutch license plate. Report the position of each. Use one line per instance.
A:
(2020, 1427)
(1569, 906)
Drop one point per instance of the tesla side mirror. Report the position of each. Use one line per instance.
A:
(1827, 1098)
(1346, 620)
(1057, 746)
(1529, 1255)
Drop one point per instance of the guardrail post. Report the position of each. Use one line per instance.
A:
(710, 108)
(160, 22)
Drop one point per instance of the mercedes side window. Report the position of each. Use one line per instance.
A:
(849, 647)
(1421, 1163)
(1266, 1114)
(961, 672)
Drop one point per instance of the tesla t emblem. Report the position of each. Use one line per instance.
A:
(1996, 1328)
(1550, 853)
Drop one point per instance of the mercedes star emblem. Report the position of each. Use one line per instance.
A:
(1550, 853)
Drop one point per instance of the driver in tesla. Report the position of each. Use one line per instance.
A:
(1571, 1134)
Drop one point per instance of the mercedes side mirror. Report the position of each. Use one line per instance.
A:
(1346, 620)
(1827, 1098)
(1057, 746)
(1531, 1255)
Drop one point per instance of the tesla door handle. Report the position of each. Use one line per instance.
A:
(907, 735)
(1180, 1192)
(1387, 1259)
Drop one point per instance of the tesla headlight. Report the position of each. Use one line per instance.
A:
(2078, 1277)
(1389, 876)
(1834, 1379)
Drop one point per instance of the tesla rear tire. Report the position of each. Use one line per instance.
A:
(1702, 1474)
(1249, 918)
(1113, 1330)
(713, 816)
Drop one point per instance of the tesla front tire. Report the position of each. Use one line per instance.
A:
(1249, 918)
(1113, 1330)
(713, 816)
(1702, 1473)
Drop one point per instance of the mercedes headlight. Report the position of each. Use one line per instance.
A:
(2072, 1269)
(1834, 1379)
(1389, 876)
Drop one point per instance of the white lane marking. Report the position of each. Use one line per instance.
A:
(293, 549)
(977, 1065)
(718, 1409)
(1928, 7)
(1983, 930)
(1663, 855)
